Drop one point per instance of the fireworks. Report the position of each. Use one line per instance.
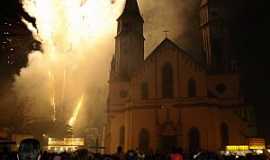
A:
(70, 32)
(76, 111)
(52, 95)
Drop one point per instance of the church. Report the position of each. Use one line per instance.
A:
(170, 99)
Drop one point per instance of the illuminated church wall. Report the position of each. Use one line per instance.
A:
(172, 101)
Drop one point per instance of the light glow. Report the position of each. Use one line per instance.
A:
(258, 147)
(65, 142)
(72, 20)
(237, 148)
(76, 111)
(74, 34)
(52, 88)
(259, 151)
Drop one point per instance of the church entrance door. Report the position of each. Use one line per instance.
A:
(168, 142)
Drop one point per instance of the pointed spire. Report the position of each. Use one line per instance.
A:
(132, 6)
(131, 9)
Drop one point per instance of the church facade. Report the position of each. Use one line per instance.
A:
(170, 99)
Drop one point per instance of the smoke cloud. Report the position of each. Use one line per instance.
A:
(78, 43)
(179, 17)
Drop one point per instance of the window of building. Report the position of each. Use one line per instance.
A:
(224, 134)
(122, 136)
(234, 66)
(192, 88)
(144, 139)
(144, 90)
(167, 81)
(194, 140)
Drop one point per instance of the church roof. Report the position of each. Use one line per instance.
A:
(167, 41)
(131, 9)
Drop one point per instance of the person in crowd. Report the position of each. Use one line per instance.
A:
(177, 154)
(44, 156)
(141, 155)
(82, 154)
(29, 150)
(57, 157)
(5, 154)
(131, 155)
(120, 155)
(150, 155)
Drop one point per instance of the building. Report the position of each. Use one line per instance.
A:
(64, 144)
(169, 99)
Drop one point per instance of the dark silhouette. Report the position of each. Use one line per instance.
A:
(14, 9)
(29, 150)
(120, 155)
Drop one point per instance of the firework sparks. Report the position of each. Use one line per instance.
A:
(73, 119)
(54, 108)
(65, 29)
(63, 87)
(52, 100)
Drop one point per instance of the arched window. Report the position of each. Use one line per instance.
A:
(122, 136)
(224, 134)
(167, 81)
(144, 140)
(192, 88)
(194, 140)
(144, 90)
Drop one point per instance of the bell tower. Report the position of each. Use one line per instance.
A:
(129, 42)
(216, 44)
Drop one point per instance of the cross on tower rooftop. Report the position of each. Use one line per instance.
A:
(166, 33)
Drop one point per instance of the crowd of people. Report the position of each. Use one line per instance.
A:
(30, 149)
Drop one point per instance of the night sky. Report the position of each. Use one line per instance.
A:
(249, 39)
(252, 43)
